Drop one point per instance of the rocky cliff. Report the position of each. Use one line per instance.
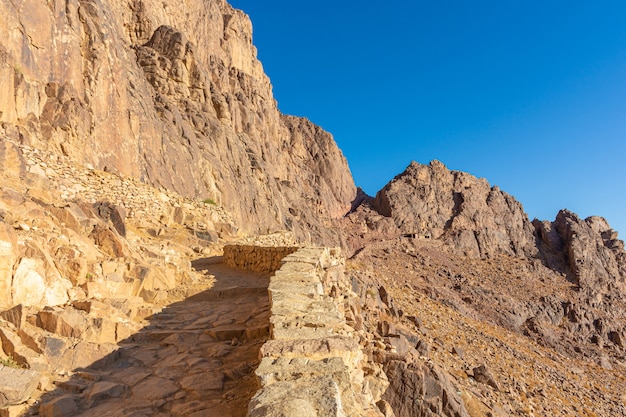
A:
(466, 212)
(173, 96)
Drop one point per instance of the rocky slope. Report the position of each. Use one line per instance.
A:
(172, 96)
(468, 272)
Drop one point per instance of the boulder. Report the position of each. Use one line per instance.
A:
(417, 389)
(32, 286)
(64, 405)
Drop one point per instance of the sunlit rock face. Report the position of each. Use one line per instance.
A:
(174, 96)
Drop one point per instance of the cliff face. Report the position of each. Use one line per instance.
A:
(174, 96)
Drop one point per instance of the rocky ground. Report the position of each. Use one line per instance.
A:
(97, 277)
(479, 321)
(196, 357)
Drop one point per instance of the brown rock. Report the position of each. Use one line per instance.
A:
(272, 171)
(108, 241)
(66, 322)
(14, 316)
(71, 264)
(421, 390)
(464, 211)
(102, 390)
(152, 388)
(64, 405)
(484, 376)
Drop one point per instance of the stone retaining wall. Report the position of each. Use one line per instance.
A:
(313, 363)
(256, 258)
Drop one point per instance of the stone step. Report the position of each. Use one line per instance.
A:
(228, 293)
(150, 336)
(224, 333)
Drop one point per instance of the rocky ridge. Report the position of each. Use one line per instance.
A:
(474, 220)
(472, 217)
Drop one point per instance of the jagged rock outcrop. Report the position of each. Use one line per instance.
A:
(421, 390)
(470, 216)
(593, 259)
(173, 96)
(588, 250)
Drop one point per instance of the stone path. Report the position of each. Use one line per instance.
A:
(196, 358)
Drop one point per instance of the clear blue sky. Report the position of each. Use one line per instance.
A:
(529, 95)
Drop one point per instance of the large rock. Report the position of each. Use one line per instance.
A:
(593, 259)
(469, 215)
(33, 286)
(421, 390)
(588, 250)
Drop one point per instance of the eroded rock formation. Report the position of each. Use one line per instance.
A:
(173, 96)
(469, 215)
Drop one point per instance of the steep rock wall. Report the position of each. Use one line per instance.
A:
(174, 96)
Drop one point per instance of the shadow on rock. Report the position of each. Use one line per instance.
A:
(195, 358)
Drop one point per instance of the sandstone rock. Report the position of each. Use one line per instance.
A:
(14, 316)
(63, 322)
(32, 287)
(152, 278)
(113, 213)
(71, 264)
(108, 241)
(14, 348)
(73, 217)
(102, 289)
(11, 159)
(16, 385)
(194, 111)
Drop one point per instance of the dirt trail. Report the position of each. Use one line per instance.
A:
(195, 358)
